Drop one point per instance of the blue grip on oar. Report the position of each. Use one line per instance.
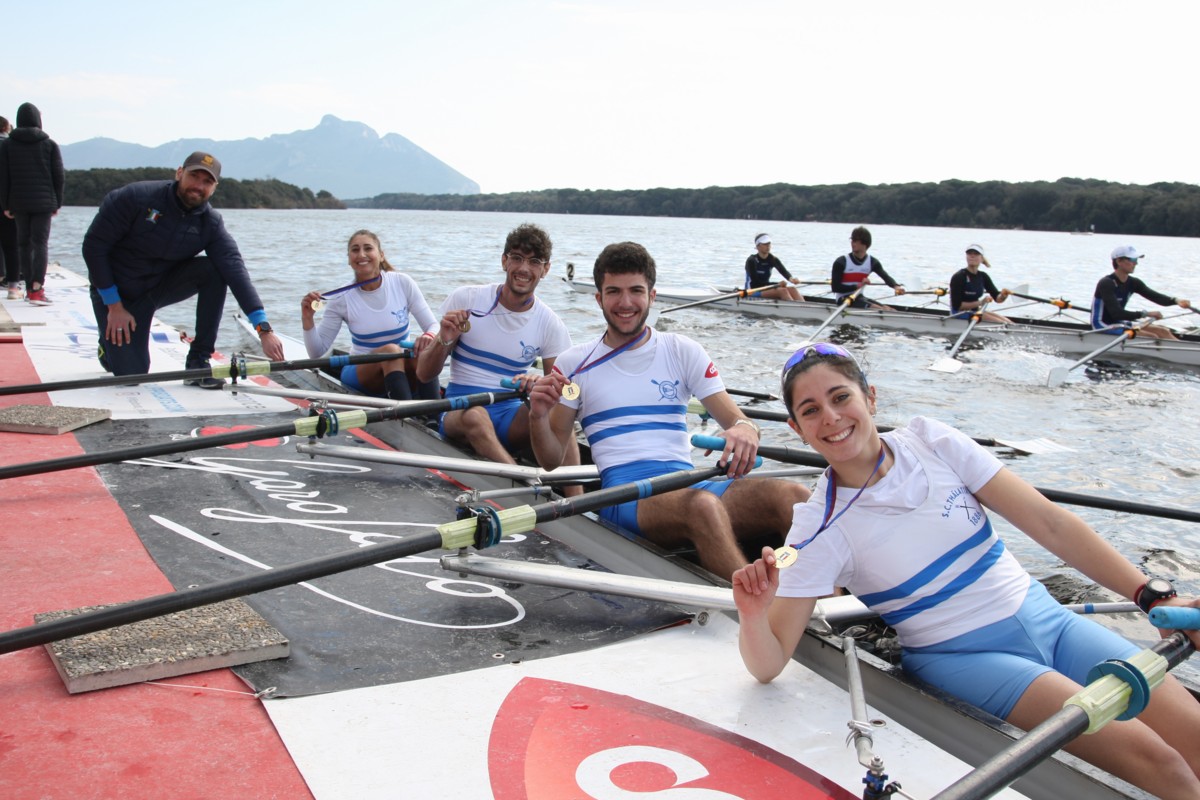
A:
(706, 442)
(1182, 618)
(508, 383)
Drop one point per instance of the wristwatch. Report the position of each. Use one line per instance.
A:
(263, 327)
(1153, 592)
(751, 423)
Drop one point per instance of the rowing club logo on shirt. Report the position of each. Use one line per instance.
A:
(529, 353)
(962, 498)
(667, 390)
(711, 372)
(153, 215)
(401, 316)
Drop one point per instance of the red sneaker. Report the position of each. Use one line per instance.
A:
(37, 297)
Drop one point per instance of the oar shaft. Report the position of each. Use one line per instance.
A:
(1059, 302)
(727, 296)
(978, 315)
(218, 371)
(794, 455)
(185, 599)
(307, 426)
(1118, 339)
(614, 495)
(451, 535)
(845, 304)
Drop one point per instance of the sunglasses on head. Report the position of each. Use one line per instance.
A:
(816, 349)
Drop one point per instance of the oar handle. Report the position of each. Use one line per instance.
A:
(509, 383)
(1182, 618)
(706, 442)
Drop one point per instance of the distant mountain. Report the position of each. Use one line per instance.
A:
(346, 158)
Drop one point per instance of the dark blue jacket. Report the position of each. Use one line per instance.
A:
(142, 231)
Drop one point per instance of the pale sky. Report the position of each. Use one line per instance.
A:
(634, 94)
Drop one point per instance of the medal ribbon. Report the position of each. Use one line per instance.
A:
(586, 365)
(831, 498)
(495, 303)
(332, 292)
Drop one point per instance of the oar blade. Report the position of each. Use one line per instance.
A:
(948, 365)
(1034, 447)
(1057, 377)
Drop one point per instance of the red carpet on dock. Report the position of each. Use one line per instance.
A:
(66, 543)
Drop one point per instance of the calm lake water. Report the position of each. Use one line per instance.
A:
(1135, 435)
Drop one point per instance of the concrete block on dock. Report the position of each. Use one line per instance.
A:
(223, 634)
(52, 420)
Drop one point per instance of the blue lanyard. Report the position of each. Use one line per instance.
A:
(332, 292)
(495, 303)
(586, 365)
(831, 498)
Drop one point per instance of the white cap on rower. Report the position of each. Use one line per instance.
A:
(1127, 251)
(978, 248)
(762, 238)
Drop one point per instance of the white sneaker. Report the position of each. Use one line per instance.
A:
(15, 292)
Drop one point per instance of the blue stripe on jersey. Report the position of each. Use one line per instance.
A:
(972, 574)
(620, 430)
(632, 411)
(394, 336)
(930, 572)
(462, 347)
(498, 369)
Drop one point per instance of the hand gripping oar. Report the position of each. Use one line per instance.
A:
(1058, 375)
(850, 298)
(483, 528)
(1029, 446)
(740, 293)
(326, 422)
(949, 363)
(1116, 690)
(239, 367)
(808, 458)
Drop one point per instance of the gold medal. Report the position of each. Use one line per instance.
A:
(785, 556)
(571, 391)
(317, 304)
(465, 326)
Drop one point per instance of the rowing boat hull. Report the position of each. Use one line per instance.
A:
(1052, 336)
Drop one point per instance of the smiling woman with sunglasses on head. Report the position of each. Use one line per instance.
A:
(899, 519)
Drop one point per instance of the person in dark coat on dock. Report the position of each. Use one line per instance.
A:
(31, 193)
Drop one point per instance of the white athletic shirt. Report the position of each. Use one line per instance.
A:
(633, 407)
(375, 318)
(501, 344)
(917, 547)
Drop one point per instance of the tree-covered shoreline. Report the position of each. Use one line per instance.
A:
(1068, 204)
(87, 187)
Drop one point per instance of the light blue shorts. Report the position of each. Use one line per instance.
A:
(1041, 637)
(625, 515)
(502, 413)
(349, 377)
